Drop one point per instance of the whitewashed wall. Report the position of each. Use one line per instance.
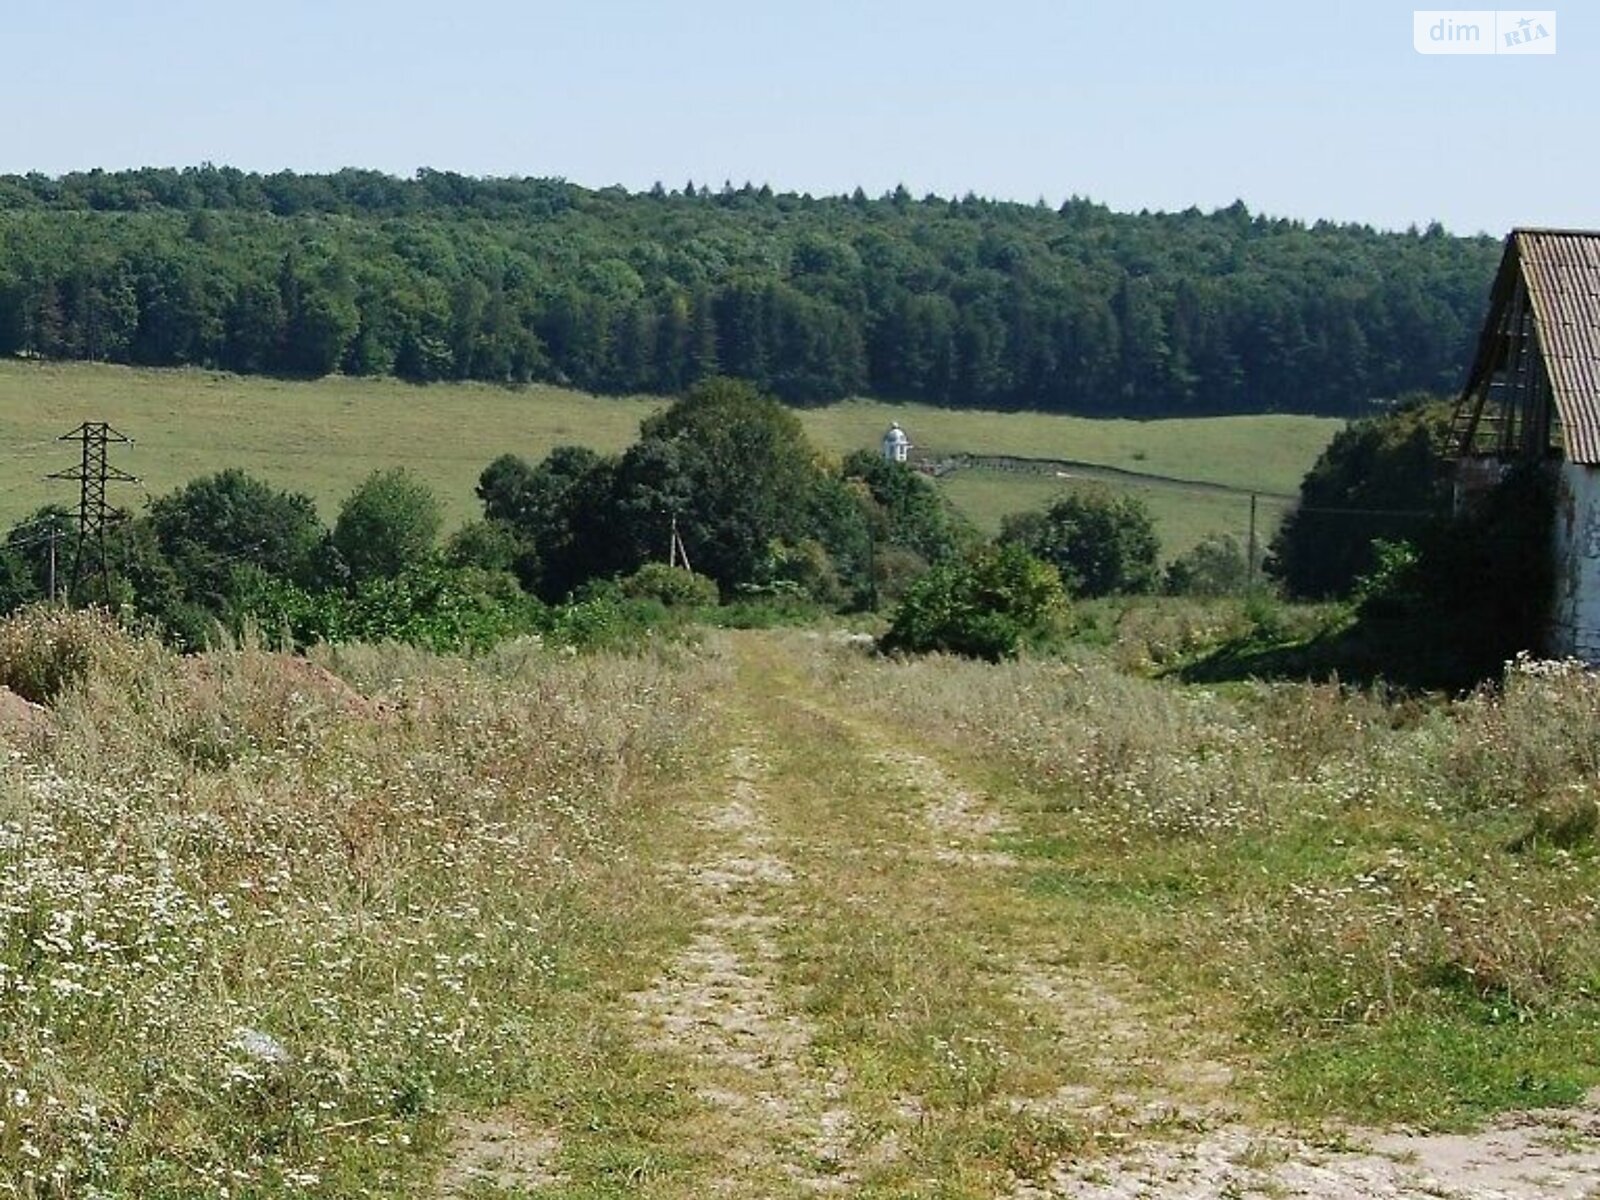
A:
(1575, 615)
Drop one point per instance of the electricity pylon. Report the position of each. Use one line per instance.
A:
(92, 473)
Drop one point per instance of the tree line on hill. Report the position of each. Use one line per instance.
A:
(575, 543)
(960, 302)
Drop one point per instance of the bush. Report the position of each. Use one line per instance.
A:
(487, 545)
(1215, 567)
(908, 512)
(1439, 599)
(768, 611)
(987, 606)
(25, 556)
(674, 587)
(1506, 538)
(1379, 479)
(561, 515)
(388, 524)
(1392, 588)
(605, 622)
(44, 650)
(805, 567)
(209, 524)
(1102, 543)
(17, 587)
(433, 607)
(894, 570)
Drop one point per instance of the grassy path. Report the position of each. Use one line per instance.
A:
(865, 999)
(769, 1106)
(866, 1003)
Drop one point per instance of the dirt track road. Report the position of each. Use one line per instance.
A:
(868, 1003)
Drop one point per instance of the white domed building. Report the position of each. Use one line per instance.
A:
(896, 445)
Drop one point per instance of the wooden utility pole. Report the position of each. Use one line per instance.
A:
(1250, 554)
(677, 555)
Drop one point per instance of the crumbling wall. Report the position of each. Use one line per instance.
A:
(1575, 608)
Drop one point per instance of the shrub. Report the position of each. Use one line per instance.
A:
(1391, 588)
(387, 524)
(1101, 542)
(16, 581)
(986, 606)
(908, 512)
(433, 607)
(605, 622)
(1505, 538)
(1439, 599)
(210, 523)
(487, 545)
(806, 567)
(560, 513)
(674, 587)
(25, 555)
(766, 611)
(44, 650)
(1215, 567)
(1154, 634)
(894, 570)
(1378, 479)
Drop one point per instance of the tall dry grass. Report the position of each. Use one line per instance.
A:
(1409, 889)
(258, 926)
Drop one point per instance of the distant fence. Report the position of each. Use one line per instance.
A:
(947, 464)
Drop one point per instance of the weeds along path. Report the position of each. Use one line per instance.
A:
(888, 1011)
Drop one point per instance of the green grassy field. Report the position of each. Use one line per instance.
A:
(1183, 516)
(323, 437)
(1270, 453)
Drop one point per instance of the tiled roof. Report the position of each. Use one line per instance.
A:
(1561, 270)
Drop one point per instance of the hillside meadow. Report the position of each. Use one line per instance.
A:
(1183, 515)
(322, 437)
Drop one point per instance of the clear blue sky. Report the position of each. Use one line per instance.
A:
(1306, 110)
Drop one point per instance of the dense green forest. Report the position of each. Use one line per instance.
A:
(964, 302)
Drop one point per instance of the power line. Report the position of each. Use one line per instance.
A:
(51, 519)
(1370, 512)
(35, 540)
(29, 447)
(52, 538)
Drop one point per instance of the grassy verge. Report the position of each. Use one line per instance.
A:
(1394, 900)
(262, 934)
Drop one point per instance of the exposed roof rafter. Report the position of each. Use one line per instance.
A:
(1555, 274)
